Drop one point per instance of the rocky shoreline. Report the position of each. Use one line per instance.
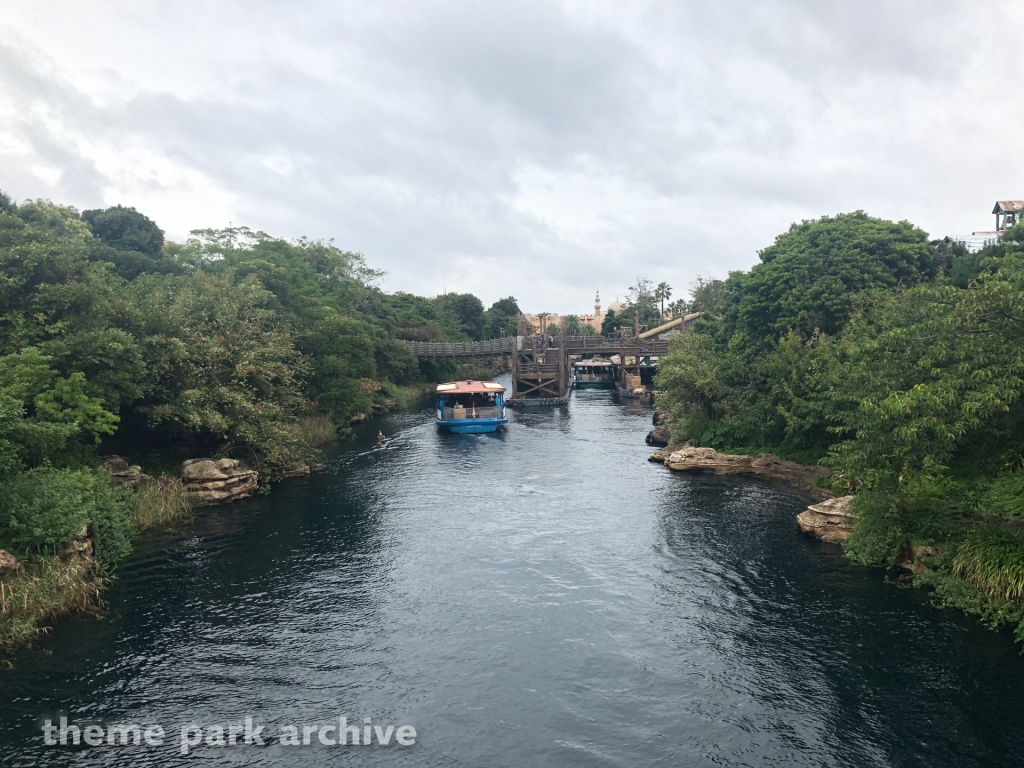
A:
(830, 520)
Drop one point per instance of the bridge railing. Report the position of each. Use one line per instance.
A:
(586, 344)
(573, 345)
(501, 346)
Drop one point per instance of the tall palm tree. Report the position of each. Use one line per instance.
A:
(663, 293)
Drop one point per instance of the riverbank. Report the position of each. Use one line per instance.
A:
(477, 617)
(975, 572)
(41, 590)
(38, 592)
(688, 458)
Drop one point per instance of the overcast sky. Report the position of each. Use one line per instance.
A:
(538, 149)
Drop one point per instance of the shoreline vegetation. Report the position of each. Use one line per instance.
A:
(858, 345)
(121, 351)
(855, 345)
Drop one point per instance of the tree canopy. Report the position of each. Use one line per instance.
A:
(897, 362)
(113, 339)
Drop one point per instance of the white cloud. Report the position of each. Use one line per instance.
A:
(535, 149)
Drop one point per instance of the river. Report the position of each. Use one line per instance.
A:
(539, 597)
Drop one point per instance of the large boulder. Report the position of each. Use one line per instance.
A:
(122, 474)
(831, 520)
(661, 435)
(8, 563)
(218, 481)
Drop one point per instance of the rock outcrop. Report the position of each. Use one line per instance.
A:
(660, 435)
(831, 520)
(79, 548)
(661, 416)
(218, 481)
(123, 475)
(302, 470)
(357, 418)
(8, 563)
(687, 458)
(911, 559)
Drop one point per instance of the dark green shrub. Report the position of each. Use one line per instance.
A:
(43, 508)
(992, 559)
(889, 519)
(1004, 497)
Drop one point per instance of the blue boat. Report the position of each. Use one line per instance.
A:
(471, 407)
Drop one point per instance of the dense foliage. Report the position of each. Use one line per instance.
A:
(112, 339)
(899, 363)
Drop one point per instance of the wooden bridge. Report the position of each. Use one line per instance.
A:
(502, 346)
(570, 345)
(541, 366)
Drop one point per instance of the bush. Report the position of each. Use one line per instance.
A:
(888, 519)
(992, 559)
(44, 507)
(1004, 497)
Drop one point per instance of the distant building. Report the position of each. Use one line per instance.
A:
(594, 320)
(542, 320)
(1007, 213)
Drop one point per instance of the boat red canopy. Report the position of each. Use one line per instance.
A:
(469, 387)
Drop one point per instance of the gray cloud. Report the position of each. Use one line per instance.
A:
(538, 149)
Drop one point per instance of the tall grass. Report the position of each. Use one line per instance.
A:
(162, 502)
(993, 560)
(317, 431)
(42, 590)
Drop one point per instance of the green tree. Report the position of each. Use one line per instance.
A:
(225, 367)
(53, 297)
(707, 295)
(642, 305)
(466, 309)
(678, 308)
(126, 230)
(502, 319)
(809, 277)
(662, 293)
(611, 324)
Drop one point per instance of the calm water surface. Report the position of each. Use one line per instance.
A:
(542, 597)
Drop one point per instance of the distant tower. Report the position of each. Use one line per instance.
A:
(597, 304)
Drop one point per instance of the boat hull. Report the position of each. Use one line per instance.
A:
(629, 395)
(471, 426)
